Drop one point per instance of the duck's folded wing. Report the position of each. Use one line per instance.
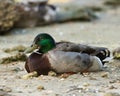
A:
(100, 52)
(62, 61)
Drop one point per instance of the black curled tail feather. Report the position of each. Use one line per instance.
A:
(102, 54)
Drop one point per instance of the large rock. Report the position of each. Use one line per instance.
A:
(34, 14)
(31, 13)
(8, 15)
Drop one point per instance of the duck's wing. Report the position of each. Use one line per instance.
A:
(100, 52)
(62, 61)
(73, 47)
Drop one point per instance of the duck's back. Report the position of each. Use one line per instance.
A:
(100, 52)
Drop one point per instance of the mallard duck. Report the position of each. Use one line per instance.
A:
(63, 57)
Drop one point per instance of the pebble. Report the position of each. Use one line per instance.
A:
(52, 73)
(6, 89)
(65, 75)
(30, 75)
(104, 75)
(17, 69)
(86, 84)
(113, 81)
(40, 88)
(93, 78)
(112, 87)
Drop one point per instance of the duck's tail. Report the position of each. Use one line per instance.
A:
(103, 54)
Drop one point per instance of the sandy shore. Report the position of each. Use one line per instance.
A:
(102, 32)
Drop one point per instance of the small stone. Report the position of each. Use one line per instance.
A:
(85, 74)
(7, 89)
(113, 81)
(104, 75)
(17, 69)
(52, 73)
(112, 87)
(117, 56)
(62, 79)
(86, 84)
(40, 88)
(64, 75)
(92, 78)
(30, 75)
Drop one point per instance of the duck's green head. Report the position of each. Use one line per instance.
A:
(44, 42)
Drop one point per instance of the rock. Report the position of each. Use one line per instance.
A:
(6, 89)
(112, 81)
(73, 12)
(8, 15)
(116, 53)
(19, 48)
(27, 13)
(104, 75)
(40, 88)
(92, 78)
(17, 57)
(32, 13)
(112, 87)
(64, 75)
(52, 73)
(30, 75)
(86, 84)
(16, 69)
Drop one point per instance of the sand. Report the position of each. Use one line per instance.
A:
(102, 32)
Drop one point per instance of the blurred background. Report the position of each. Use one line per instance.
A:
(80, 21)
